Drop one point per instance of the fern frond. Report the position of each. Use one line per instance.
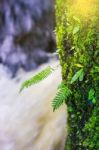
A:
(61, 96)
(37, 78)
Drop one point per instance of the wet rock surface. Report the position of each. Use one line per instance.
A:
(26, 33)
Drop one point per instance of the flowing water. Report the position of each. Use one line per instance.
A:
(27, 121)
(26, 33)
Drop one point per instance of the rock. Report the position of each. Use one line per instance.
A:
(26, 33)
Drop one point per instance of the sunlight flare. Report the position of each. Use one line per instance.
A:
(84, 8)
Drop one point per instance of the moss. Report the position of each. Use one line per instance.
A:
(78, 45)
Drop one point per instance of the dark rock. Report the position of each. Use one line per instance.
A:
(26, 33)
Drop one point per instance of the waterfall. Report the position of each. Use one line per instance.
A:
(27, 121)
(26, 33)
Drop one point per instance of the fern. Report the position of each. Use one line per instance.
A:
(37, 78)
(61, 96)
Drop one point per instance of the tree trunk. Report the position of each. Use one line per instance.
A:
(77, 34)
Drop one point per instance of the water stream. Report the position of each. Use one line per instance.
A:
(27, 121)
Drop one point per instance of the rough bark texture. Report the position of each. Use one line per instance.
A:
(78, 45)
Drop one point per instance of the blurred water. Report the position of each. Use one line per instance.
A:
(27, 121)
(26, 33)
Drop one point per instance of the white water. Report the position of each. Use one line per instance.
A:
(27, 121)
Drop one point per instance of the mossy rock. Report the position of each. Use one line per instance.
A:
(77, 34)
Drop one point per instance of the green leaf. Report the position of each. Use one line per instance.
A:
(96, 69)
(81, 76)
(78, 75)
(76, 19)
(37, 78)
(70, 109)
(61, 96)
(91, 94)
(61, 85)
(79, 65)
(94, 101)
(75, 30)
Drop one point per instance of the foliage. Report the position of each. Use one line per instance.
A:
(37, 78)
(91, 96)
(62, 95)
(77, 34)
(91, 130)
(78, 75)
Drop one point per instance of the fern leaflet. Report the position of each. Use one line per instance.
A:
(37, 78)
(61, 96)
